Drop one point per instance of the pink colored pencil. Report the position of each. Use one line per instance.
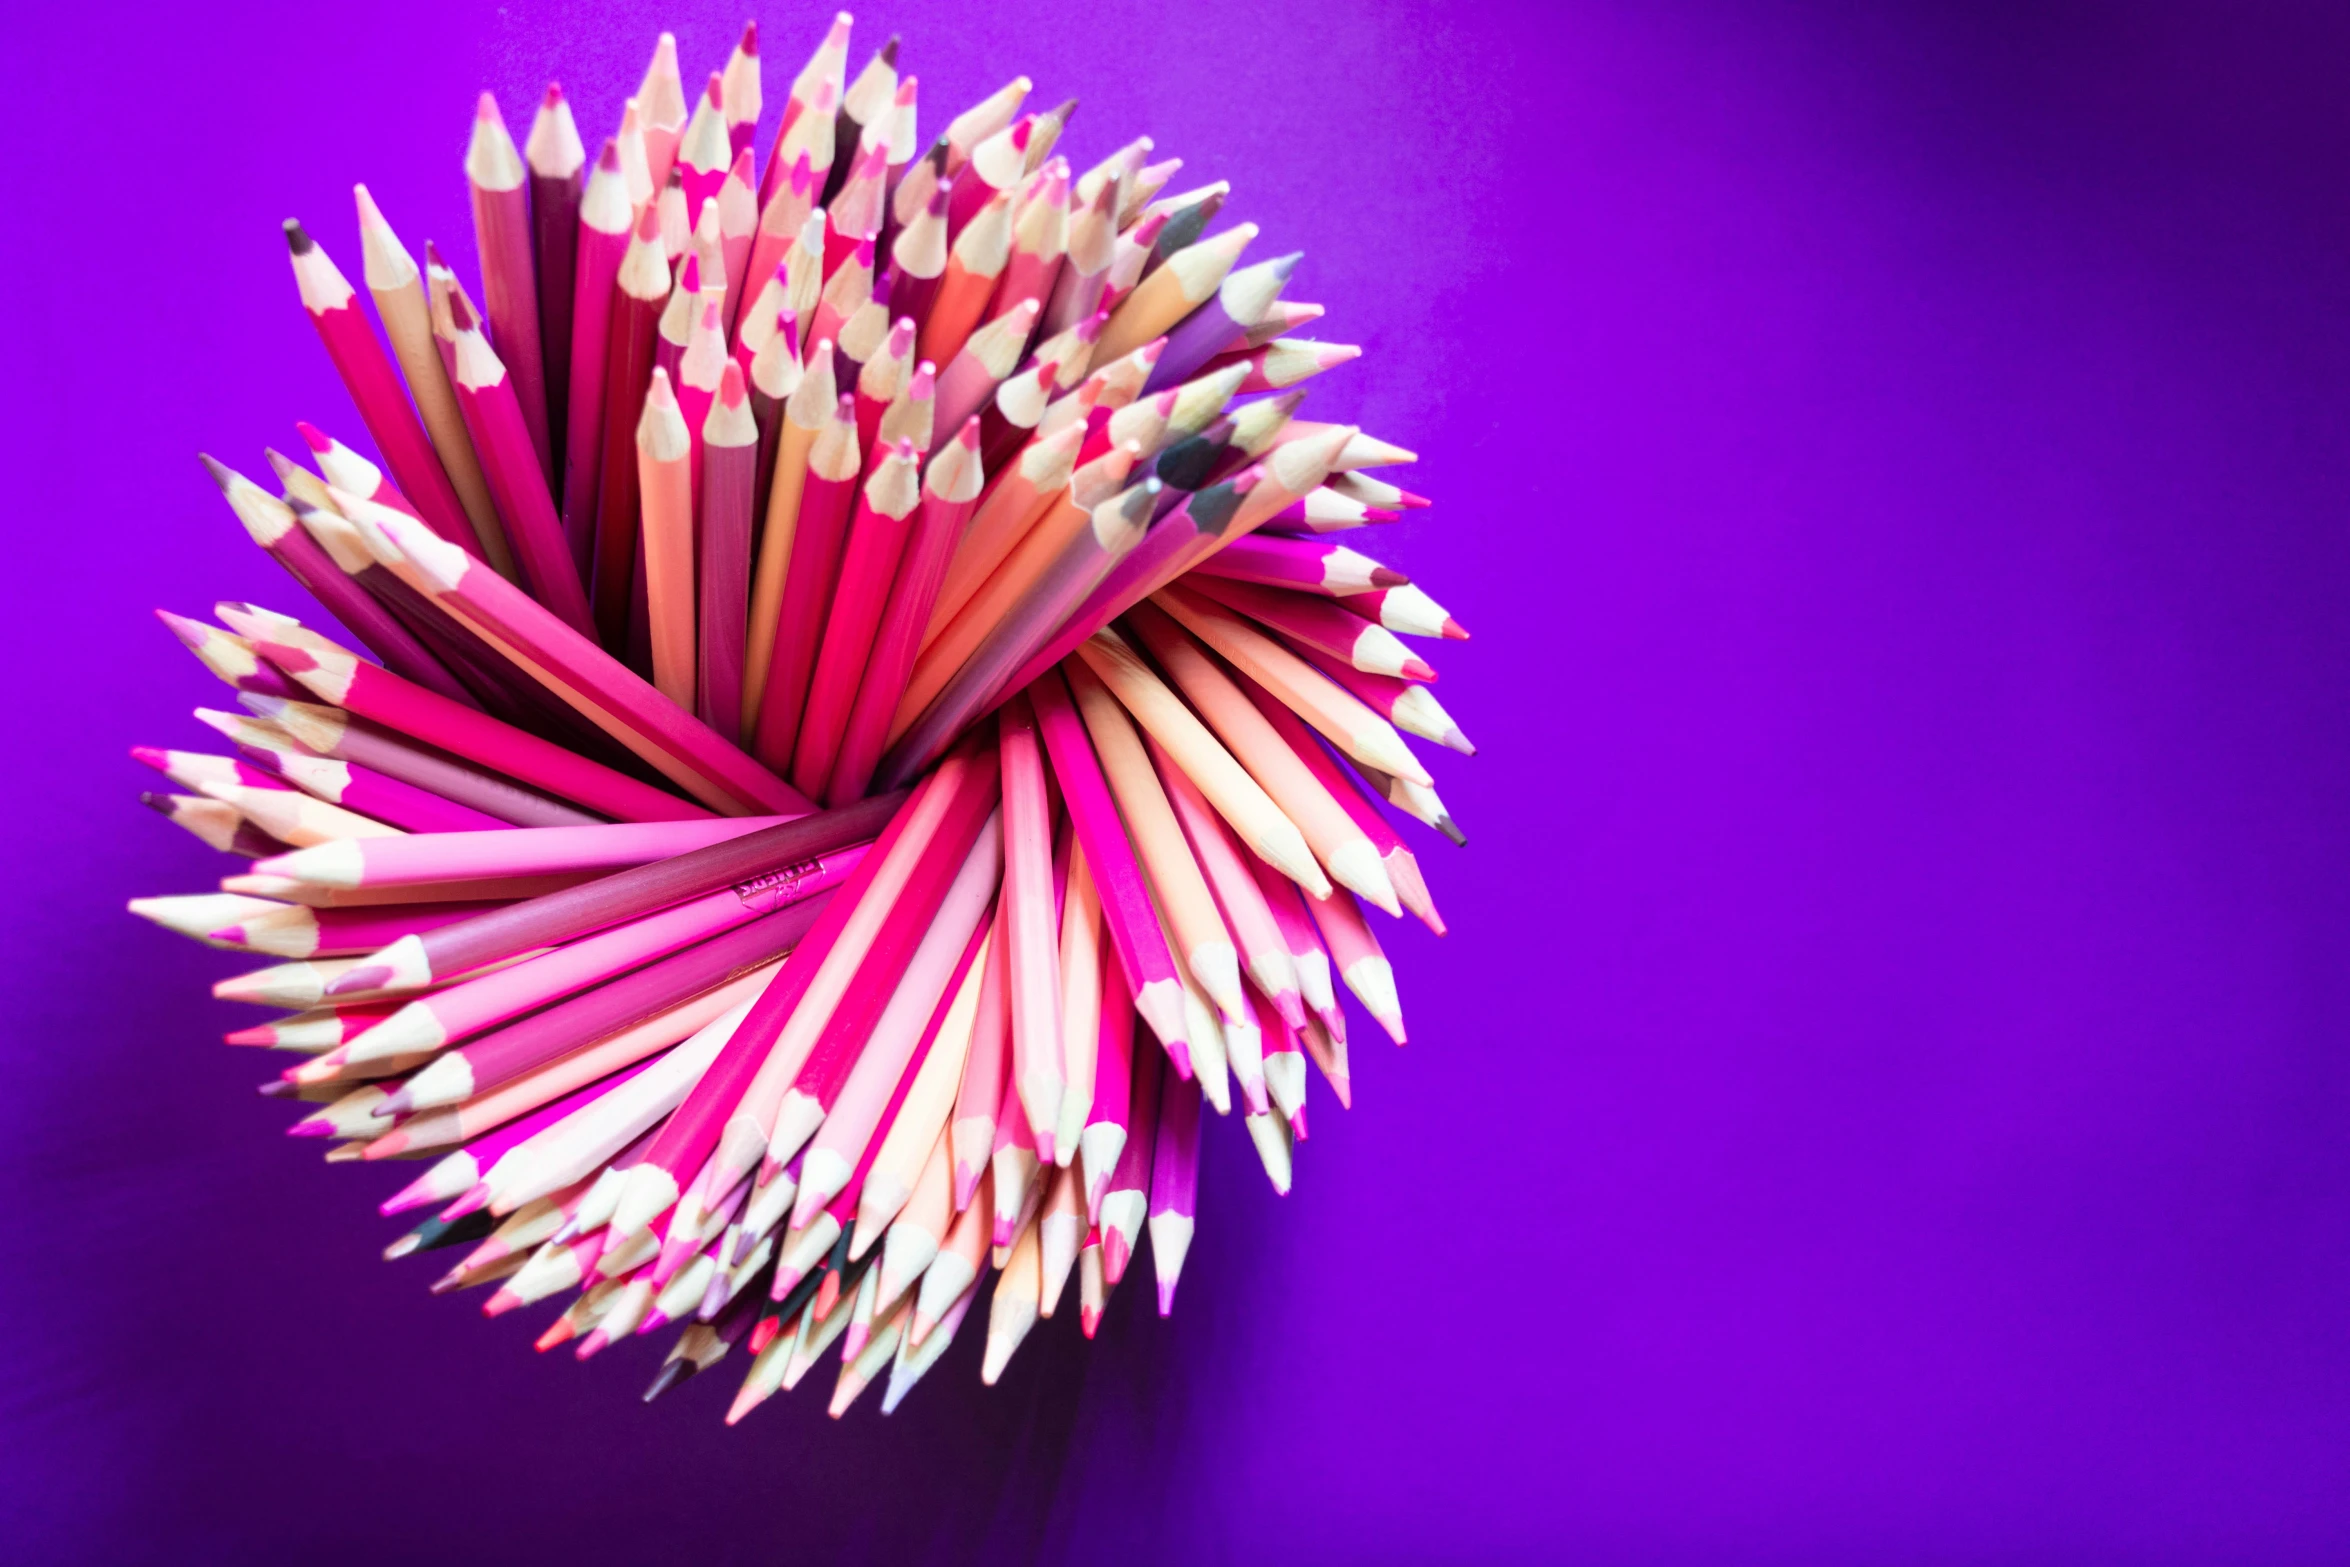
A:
(1102, 1145)
(971, 1133)
(1148, 969)
(1125, 1201)
(603, 689)
(337, 676)
(1174, 1182)
(1032, 925)
(730, 460)
(1356, 954)
(332, 305)
(219, 825)
(1311, 961)
(950, 493)
(760, 867)
(692, 1132)
(488, 397)
(498, 181)
(471, 1006)
(869, 566)
(600, 245)
(818, 537)
(740, 81)
(514, 851)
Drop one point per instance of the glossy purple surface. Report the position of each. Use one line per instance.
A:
(1883, 1098)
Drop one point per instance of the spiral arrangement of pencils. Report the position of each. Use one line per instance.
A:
(850, 637)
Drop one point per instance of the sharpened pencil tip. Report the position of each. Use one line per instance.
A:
(277, 1088)
(297, 238)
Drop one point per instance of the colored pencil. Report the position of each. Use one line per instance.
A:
(933, 479)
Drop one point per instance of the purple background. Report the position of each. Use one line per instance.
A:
(1883, 1097)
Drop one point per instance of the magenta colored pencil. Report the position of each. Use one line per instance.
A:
(557, 161)
(1135, 936)
(515, 851)
(471, 1006)
(488, 397)
(1174, 1181)
(272, 525)
(508, 1052)
(817, 541)
(1103, 1143)
(950, 492)
(371, 793)
(869, 565)
(341, 678)
(498, 181)
(1310, 622)
(730, 460)
(331, 732)
(765, 865)
(620, 701)
(1307, 565)
(601, 243)
(332, 305)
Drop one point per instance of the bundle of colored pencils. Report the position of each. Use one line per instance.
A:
(848, 643)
